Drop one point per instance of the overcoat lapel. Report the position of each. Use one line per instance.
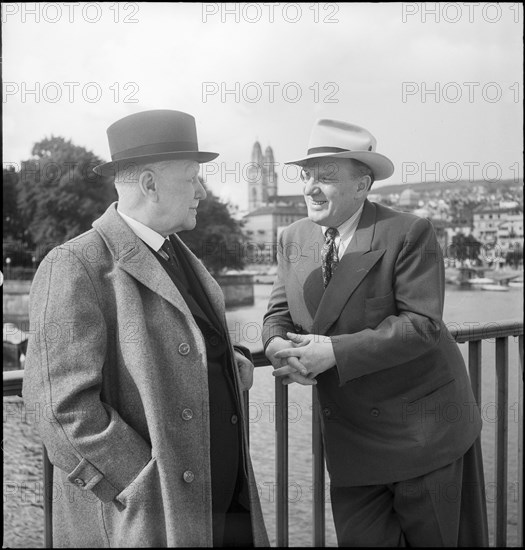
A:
(134, 257)
(353, 267)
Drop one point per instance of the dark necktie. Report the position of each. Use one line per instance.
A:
(170, 251)
(329, 256)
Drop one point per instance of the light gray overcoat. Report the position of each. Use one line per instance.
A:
(114, 359)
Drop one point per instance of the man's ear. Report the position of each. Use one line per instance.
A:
(148, 185)
(364, 183)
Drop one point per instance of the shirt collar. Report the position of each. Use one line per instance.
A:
(149, 236)
(347, 226)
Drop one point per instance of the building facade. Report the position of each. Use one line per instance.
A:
(269, 213)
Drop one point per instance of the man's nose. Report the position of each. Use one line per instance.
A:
(200, 192)
(310, 187)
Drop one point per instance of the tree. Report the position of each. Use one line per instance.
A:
(16, 241)
(217, 238)
(514, 256)
(13, 226)
(465, 247)
(59, 194)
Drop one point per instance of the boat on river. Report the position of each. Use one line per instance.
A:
(496, 287)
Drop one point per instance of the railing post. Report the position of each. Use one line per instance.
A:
(474, 368)
(48, 499)
(281, 460)
(319, 531)
(520, 443)
(246, 399)
(500, 508)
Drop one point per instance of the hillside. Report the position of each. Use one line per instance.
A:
(433, 186)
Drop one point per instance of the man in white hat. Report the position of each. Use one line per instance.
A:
(130, 367)
(356, 310)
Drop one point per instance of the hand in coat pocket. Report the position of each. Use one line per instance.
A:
(245, 368)
(135, 518)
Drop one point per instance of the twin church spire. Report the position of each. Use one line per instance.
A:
(261, 177)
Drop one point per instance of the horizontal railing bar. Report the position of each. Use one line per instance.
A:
(13, 382)
(484, 331)
(259, 359)
(496, 329)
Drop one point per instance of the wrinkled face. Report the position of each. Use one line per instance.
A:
(333, 190)
(179, 191)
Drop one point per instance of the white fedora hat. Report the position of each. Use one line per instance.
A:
(335, 138)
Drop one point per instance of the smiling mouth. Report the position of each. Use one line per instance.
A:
(317, 203)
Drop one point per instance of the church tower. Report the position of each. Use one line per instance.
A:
(262, 177)
(255, 178)
(270, 174)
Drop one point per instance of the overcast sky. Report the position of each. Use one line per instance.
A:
(440, 91)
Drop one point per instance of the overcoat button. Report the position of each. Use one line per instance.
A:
(234, 419)
(188, 476)
(79, 482)
(184, 349)
(327, 411)
(374, 412)
(187, 414)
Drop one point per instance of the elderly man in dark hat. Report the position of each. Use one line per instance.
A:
(142, 387)
(357, 310)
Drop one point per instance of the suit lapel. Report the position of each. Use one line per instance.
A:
(309, 270)
(353, 267)
(212, 291)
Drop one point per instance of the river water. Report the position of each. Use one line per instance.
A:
(23, 515)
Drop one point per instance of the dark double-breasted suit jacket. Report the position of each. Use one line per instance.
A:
(398, 404)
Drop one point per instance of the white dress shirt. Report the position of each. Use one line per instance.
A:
(149, 236)
(346, 232)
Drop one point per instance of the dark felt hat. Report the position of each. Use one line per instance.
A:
(152, 136)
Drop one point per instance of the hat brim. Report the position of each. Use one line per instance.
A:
(381, 166)
(111, 168)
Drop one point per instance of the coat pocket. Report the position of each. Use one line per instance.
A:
(135, 519)
(432, 392)
(139, 484)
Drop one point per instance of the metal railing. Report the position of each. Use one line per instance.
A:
(500, 331)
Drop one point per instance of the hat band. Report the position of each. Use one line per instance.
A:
(156, 148)
(315, 150)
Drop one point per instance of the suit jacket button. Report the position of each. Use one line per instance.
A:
(184, 349)
(234, 419)
(298, 328)
(187, 414)
(327, 411)
(374, 412)
(79, 482)
(188, 476)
